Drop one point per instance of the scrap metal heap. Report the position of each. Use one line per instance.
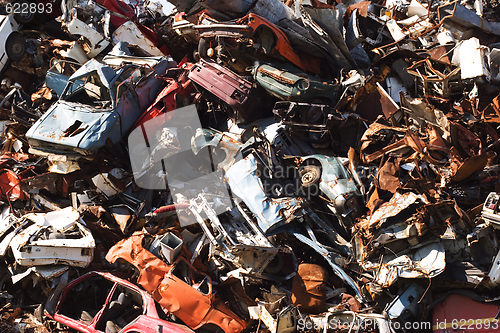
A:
(250, 166)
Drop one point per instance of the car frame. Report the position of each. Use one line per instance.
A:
(57, 237)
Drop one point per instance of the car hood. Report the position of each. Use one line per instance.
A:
(68, 124)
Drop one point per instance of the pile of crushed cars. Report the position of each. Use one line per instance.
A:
(250, 166)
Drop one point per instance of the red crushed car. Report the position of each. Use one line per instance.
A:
(175, 95)
(100, 302)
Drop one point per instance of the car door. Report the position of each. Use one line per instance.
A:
(83, 302)
(127, 105)
(186, 293)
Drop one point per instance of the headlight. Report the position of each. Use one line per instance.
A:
(34, 143)
(303, 84)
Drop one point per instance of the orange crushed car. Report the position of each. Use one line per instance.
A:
(259, 33)
(179, 288)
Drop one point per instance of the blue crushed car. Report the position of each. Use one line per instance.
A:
(98, 107)
(336, 182)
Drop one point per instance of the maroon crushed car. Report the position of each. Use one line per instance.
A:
(231, 88)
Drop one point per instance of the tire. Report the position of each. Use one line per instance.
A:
(15, 46)
(309, 175)
(248, 133)
(203, 46)
(275, 266)
(24, 18)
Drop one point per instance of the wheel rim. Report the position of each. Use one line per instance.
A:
(17, 49)
(308, 177)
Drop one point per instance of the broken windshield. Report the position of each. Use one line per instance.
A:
(90, 91)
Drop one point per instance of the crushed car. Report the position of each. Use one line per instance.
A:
(177, 287)
(97, 107)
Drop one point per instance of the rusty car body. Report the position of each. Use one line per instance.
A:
(260, 35)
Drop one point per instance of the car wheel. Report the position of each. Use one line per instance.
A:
(309, 175)
(15, 46)
(24, 16)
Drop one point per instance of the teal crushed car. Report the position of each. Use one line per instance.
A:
(295, 87)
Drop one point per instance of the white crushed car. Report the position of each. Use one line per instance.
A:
(58, 237)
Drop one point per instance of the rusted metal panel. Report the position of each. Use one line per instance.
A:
(434, 82)
(257, 28)
(378, 102)
(339, 187)
(454, 12)
(309, 288)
